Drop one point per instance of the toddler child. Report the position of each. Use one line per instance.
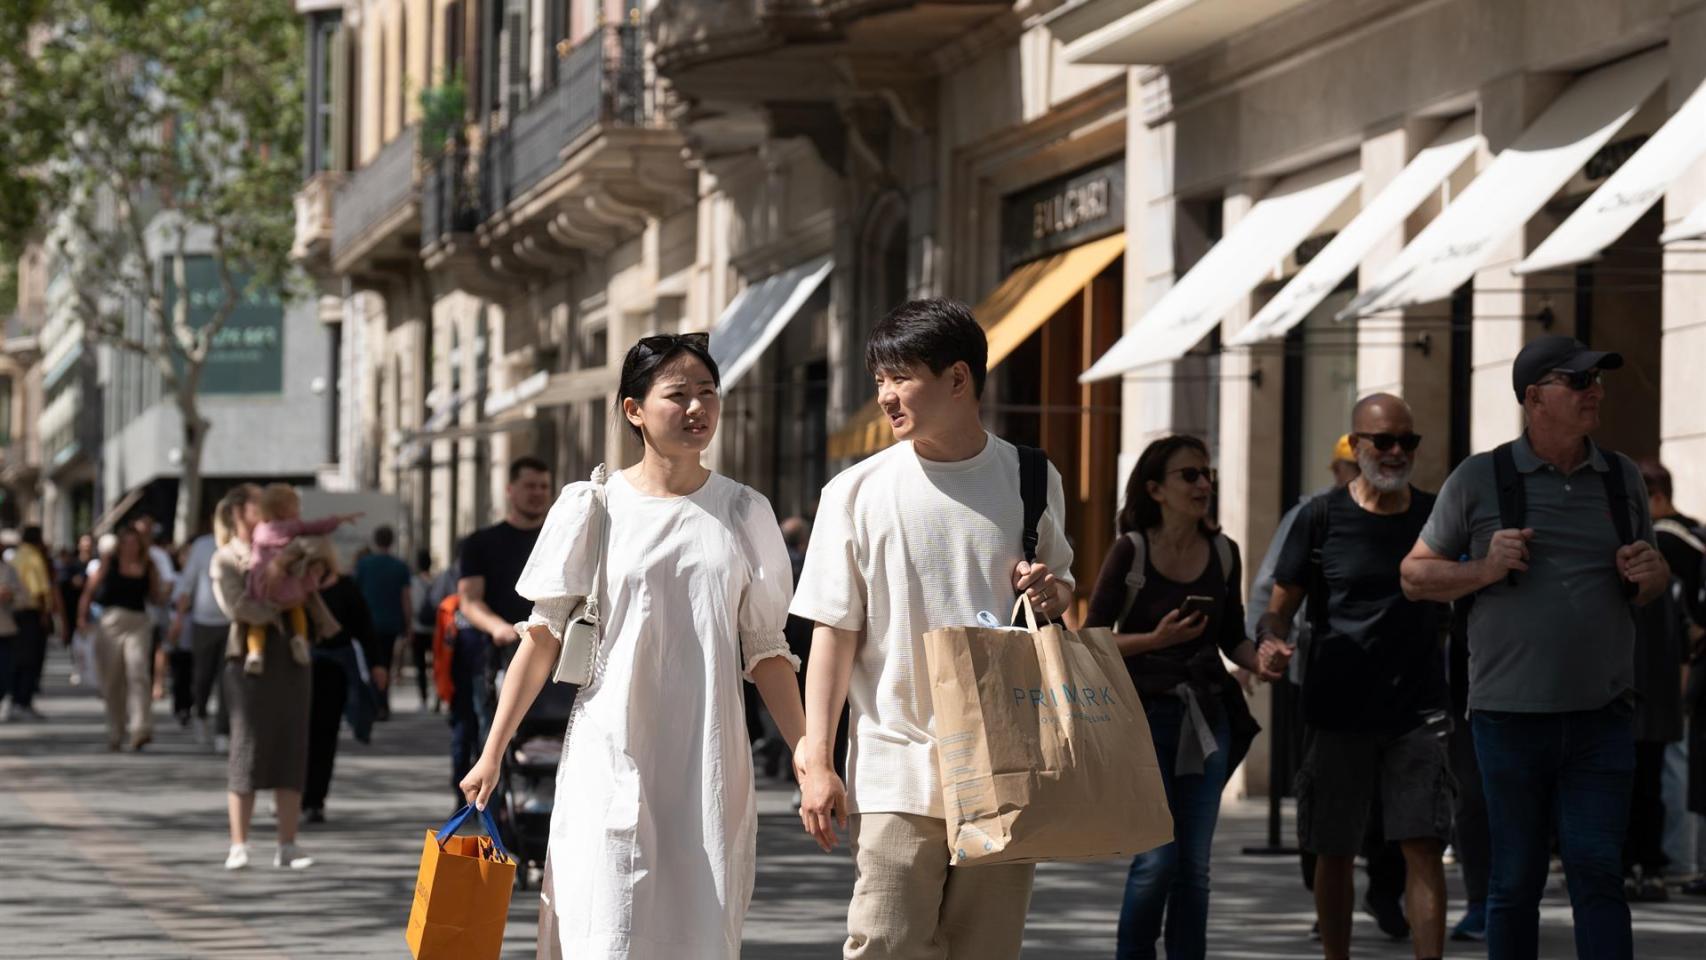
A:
(286, 570)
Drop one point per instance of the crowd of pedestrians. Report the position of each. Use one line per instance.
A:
(192, 629)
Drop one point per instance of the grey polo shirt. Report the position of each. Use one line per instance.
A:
(1563, 638)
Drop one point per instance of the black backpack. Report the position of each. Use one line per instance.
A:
(1033, 493)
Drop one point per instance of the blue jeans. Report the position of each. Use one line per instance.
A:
(470, 710)
(1173, 879)
(1572, 772)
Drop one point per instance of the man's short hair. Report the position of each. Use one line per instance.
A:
(1656, 477)
(529, 462)
(384, 537)
(932, 333)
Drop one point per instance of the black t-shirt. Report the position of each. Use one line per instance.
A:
(1379, 656)
(499, 553)
(1196, 662)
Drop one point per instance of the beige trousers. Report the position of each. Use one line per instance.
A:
(124, 647)
(908, 904)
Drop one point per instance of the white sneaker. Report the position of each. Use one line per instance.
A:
(221, 743)
(299, 650)
(290, 855)
(6, 712)
(202, 736)
(238, 858)
(252, 663)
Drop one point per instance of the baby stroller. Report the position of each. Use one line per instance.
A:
(529, 778)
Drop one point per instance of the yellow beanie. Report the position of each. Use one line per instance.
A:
(1343, 451)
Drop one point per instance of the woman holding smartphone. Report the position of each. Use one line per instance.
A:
(654, 832)
(1171, 590)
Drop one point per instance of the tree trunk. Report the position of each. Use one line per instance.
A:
(185, 526)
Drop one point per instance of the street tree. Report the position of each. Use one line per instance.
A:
(136, 131)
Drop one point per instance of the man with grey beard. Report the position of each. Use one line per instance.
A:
(1374, 690)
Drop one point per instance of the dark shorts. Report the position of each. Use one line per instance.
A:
(1344, 773)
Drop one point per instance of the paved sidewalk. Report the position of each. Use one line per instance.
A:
(120, 856)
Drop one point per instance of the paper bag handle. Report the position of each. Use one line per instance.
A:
(1024, 601)
(449, 829)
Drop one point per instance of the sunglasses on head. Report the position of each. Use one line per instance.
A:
(1193, 474)
(1577, 380)
(667, 342)
(1386, 441)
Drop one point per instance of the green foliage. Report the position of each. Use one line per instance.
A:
(442, 115)
(121, 115)
(136, 130)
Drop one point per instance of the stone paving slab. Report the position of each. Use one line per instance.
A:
(120, 856)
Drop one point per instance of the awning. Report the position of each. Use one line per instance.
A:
(1019, 306)
(1231, 269)
(576, 386)
(755, 317)
(1514, 186)
(499, 401)
(1345, 252)
(1692, 227)
(1629, 192)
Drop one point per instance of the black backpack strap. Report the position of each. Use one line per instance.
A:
(1513, 496)
(1033, 491)
(1318, 510)
(1617, 497)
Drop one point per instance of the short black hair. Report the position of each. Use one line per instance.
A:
(384, 537)
(423, 559)
(647, 356)
(934, 333)
(1656, 477)
(32, 535)
(528, 462)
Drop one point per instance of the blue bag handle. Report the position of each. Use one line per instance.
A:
(445, 832)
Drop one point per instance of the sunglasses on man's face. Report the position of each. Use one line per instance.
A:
(666, 342)
(1577, 380)
(1193, 474)
(1386, 441)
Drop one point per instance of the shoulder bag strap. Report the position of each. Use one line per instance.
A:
(1513, 505)
(1033, 492)
(601, 508)
(1617, 497)
(1134, 577)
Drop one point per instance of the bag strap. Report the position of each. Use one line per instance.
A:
(1320, 514)
(1223, 550)
(1135, 576)
(1033, 492)
(461, 816)
(601, 507)
(1513, 494)
(1617, 497)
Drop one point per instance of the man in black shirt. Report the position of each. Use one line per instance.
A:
(491, 563)
(1374, 691)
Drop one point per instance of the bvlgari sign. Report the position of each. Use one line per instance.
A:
(1063, 213)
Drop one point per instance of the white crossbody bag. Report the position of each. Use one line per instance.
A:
(584, 632)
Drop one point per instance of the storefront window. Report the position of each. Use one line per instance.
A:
(1329, 389)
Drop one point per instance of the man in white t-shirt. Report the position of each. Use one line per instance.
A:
(926, 534)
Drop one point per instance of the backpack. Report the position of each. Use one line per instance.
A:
(1033, 493)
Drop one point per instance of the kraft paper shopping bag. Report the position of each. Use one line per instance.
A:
(1043, 747)
(461, 893)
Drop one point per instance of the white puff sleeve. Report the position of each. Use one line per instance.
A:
(770, 582)
(560, 570)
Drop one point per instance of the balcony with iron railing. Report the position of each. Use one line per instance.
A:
(449, 207)
(588, 160)
(748, 50)
(376, 212)
(315, 222)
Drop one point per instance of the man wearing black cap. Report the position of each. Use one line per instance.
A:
(1552, 537)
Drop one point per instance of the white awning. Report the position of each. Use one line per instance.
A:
(1514, 186)
(499, 401)
(1322, 275)
(755, 317)
(1231, 269)
(1628, 193)
(1692, 227)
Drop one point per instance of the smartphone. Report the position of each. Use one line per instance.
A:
(1195, 605)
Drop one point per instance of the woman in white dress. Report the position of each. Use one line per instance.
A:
(654, 831)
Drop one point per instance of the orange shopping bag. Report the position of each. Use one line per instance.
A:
(461, 894)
